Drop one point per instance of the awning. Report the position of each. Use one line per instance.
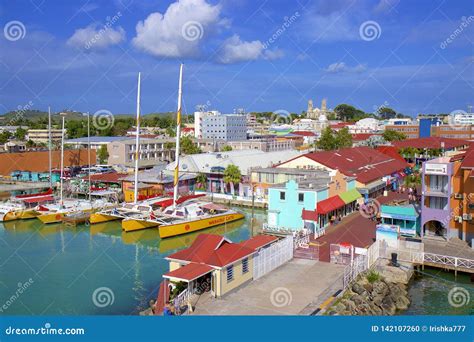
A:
(188, 272)
(350, 196)
(310, 215)
(39, 199)
(330, 204)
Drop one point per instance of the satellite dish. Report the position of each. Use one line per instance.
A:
(185, 166)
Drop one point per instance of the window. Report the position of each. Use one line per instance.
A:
(301, 197)
(245, 265)
(282, 195)
(230, 273)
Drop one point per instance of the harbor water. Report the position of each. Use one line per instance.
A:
(96, 270)
(438, 292)
(100, 270)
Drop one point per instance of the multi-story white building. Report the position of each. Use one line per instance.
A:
(42, 135)
(214, 125)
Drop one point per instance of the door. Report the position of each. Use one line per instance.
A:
(273, 219)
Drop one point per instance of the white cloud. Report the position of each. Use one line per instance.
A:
(340, 67)
(96, 37)
(180, 30)
(235, 50)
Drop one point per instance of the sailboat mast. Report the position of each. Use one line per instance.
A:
(178, 135)
(49, 149)
(89, 153)
(137, 143)
(62, 163)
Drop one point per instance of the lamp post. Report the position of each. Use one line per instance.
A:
(89, 153)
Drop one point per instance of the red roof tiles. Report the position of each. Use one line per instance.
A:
(110, 177)
(390, 151)
(468, 162)
(304, 133)
(258, 241)
(363, 163)
(329, 204)
(431, 142)
(215, 250)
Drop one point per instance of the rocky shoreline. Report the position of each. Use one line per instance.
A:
(379, 291)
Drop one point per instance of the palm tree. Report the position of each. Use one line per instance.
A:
(232, 176)
(201, 181)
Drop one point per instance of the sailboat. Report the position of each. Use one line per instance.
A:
(185, 216)
(137, 208)
(55, 212)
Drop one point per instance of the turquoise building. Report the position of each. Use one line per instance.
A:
(286, 204)
(404, 216)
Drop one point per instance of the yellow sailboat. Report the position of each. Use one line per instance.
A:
(190, 216)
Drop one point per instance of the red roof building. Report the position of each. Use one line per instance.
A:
(433, 143)
(363, 163)
(215, 260)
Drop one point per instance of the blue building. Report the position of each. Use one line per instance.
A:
(286, 204)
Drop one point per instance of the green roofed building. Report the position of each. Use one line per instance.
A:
(404, 216)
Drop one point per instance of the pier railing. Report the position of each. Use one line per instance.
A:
(181, 300)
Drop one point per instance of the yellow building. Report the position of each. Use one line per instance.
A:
(214, 263)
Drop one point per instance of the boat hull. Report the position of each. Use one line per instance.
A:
(192, 226)
(28, 214)
(51, 218)
(100, 218)
(10, 216)
(130, 225)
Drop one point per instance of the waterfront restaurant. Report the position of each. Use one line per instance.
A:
(212, 263)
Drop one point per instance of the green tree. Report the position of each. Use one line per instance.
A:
(103, 154)
(232, 176)
(349, 113)
(5, 136)
(201, 181)
(20, 133)
(188, 146)
(386, 113)
(343, 138)
(170, 132)
(391, 135)
(226, 148)
(327, 141)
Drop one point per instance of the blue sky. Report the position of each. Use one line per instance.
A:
(414, 56)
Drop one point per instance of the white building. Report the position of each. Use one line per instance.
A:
(461, 118)
(367, 125)
(214, 125)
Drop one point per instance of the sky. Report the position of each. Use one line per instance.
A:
(84, 55)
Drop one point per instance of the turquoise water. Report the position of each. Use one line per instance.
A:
(66, 265)
(429, 294)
